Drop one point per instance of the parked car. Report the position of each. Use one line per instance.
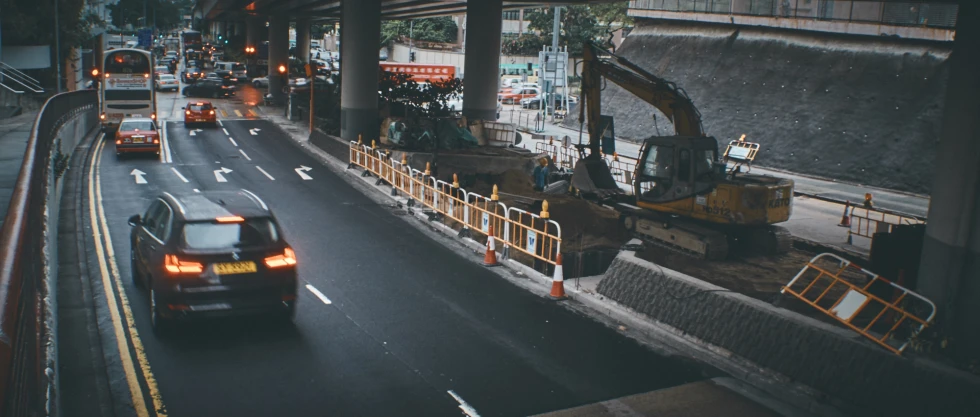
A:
(518, 94)
(260, 82)
(536, 101)
(166, 82)
(209, 88)
(189, 242)
(137, 135)
(234, 70)
(322, 86)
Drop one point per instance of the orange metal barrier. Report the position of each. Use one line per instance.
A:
(865, 222)
(534, 235)
(825, 283)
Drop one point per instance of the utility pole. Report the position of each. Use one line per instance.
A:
(57, 48)
(556, 28)
(411, 34)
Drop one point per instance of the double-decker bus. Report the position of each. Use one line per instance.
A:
(126, 89)
(191, 39)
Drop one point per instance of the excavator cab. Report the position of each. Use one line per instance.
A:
(675, 168)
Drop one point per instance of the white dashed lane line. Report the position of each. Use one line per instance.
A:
(318, 294)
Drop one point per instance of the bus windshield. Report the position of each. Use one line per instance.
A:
(126, 62)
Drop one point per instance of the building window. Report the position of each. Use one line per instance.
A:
(512, 15)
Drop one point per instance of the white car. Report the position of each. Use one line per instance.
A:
(455, 104)
(260, 82)
(166, 82)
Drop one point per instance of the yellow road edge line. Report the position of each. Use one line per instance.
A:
(135, 392)
(151, 382)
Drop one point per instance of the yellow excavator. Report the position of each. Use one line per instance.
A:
(685, 197)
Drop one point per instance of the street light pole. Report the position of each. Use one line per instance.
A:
(57, 48)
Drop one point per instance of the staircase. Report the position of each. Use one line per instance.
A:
(13, 85)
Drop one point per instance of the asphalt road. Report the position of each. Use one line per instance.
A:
(408, 320)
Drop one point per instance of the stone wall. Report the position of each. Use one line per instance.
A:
(848, 368)
(855, 108)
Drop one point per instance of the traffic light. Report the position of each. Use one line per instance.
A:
(226, 41)
(95, 73)
(411, 57)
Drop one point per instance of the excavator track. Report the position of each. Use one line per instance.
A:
(679, 235)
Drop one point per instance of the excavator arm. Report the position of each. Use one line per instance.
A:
(671, 100)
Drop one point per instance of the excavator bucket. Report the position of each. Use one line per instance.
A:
(592, 177)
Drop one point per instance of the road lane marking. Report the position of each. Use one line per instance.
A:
(194, 132)
(178, 174)
(165, 155)
(238, 113)
(218, 172)
(463, 405)
(233, 141)
(254, 132)
(302, 174)
(253, 113)
(221, 124)
(138, 175)
(196, 190)
(226, 131)
(223, 113)
(103, 253)
(266, 173)
(244, 154)
(318, 294)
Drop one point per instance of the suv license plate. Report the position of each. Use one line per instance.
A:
(234, 268)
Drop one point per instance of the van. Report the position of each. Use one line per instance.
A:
(235, 69)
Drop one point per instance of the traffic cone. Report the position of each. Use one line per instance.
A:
(558, 282)
(845, 220)
(490, 259)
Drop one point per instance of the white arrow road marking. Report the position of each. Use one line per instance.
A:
(218, 172)
(266, 173)
(244, 154)
(318, 294)
(196, 190)
(178, 174)
(139, 176)
(463, 405)
(302, 174)
(195, 131)
(232, 141)
(226, 131)
(254, 132)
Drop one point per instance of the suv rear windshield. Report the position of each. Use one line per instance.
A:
(210, 235)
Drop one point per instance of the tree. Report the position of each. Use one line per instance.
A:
(434, 29)
(32, 23)
(581, 24)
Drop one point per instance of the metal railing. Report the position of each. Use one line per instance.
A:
(26, 369)
(537, 237)
(10, 74)
(936, 15)
(865, 222)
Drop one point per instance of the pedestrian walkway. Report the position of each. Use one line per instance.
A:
(14, 133)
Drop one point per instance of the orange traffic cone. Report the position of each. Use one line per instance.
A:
(490, 259)
(845, 220)
(558, 282)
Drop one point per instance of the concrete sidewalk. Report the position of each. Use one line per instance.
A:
(14, 133)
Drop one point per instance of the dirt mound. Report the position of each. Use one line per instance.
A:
(860, 109)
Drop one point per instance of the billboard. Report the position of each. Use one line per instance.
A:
(421, 72)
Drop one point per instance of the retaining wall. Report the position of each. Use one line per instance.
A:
(866, 379)
(856, 108)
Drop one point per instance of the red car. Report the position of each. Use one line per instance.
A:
(137, 135)
(200, 112)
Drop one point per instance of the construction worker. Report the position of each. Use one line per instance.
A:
(868, 204)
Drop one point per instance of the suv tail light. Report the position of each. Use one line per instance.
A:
(288, 258)
(176, 266)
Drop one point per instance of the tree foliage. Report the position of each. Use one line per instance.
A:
(579, 24)
(425, 99)
(27, 22)
(434, 29)
(167, 13)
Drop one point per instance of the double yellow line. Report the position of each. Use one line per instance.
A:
(112, 285)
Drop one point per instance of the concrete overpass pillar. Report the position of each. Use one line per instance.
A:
(239, 28)
(481, 66)
(278, 53)
(949, 274)
(303, 39)
(360, 40)
(252, 39)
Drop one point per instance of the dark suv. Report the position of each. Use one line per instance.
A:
(211, 253)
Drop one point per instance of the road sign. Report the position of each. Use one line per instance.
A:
(485, 224)
(532, 241)
(145, 37)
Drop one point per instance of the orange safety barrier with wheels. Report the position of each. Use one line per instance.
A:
(827, 284)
